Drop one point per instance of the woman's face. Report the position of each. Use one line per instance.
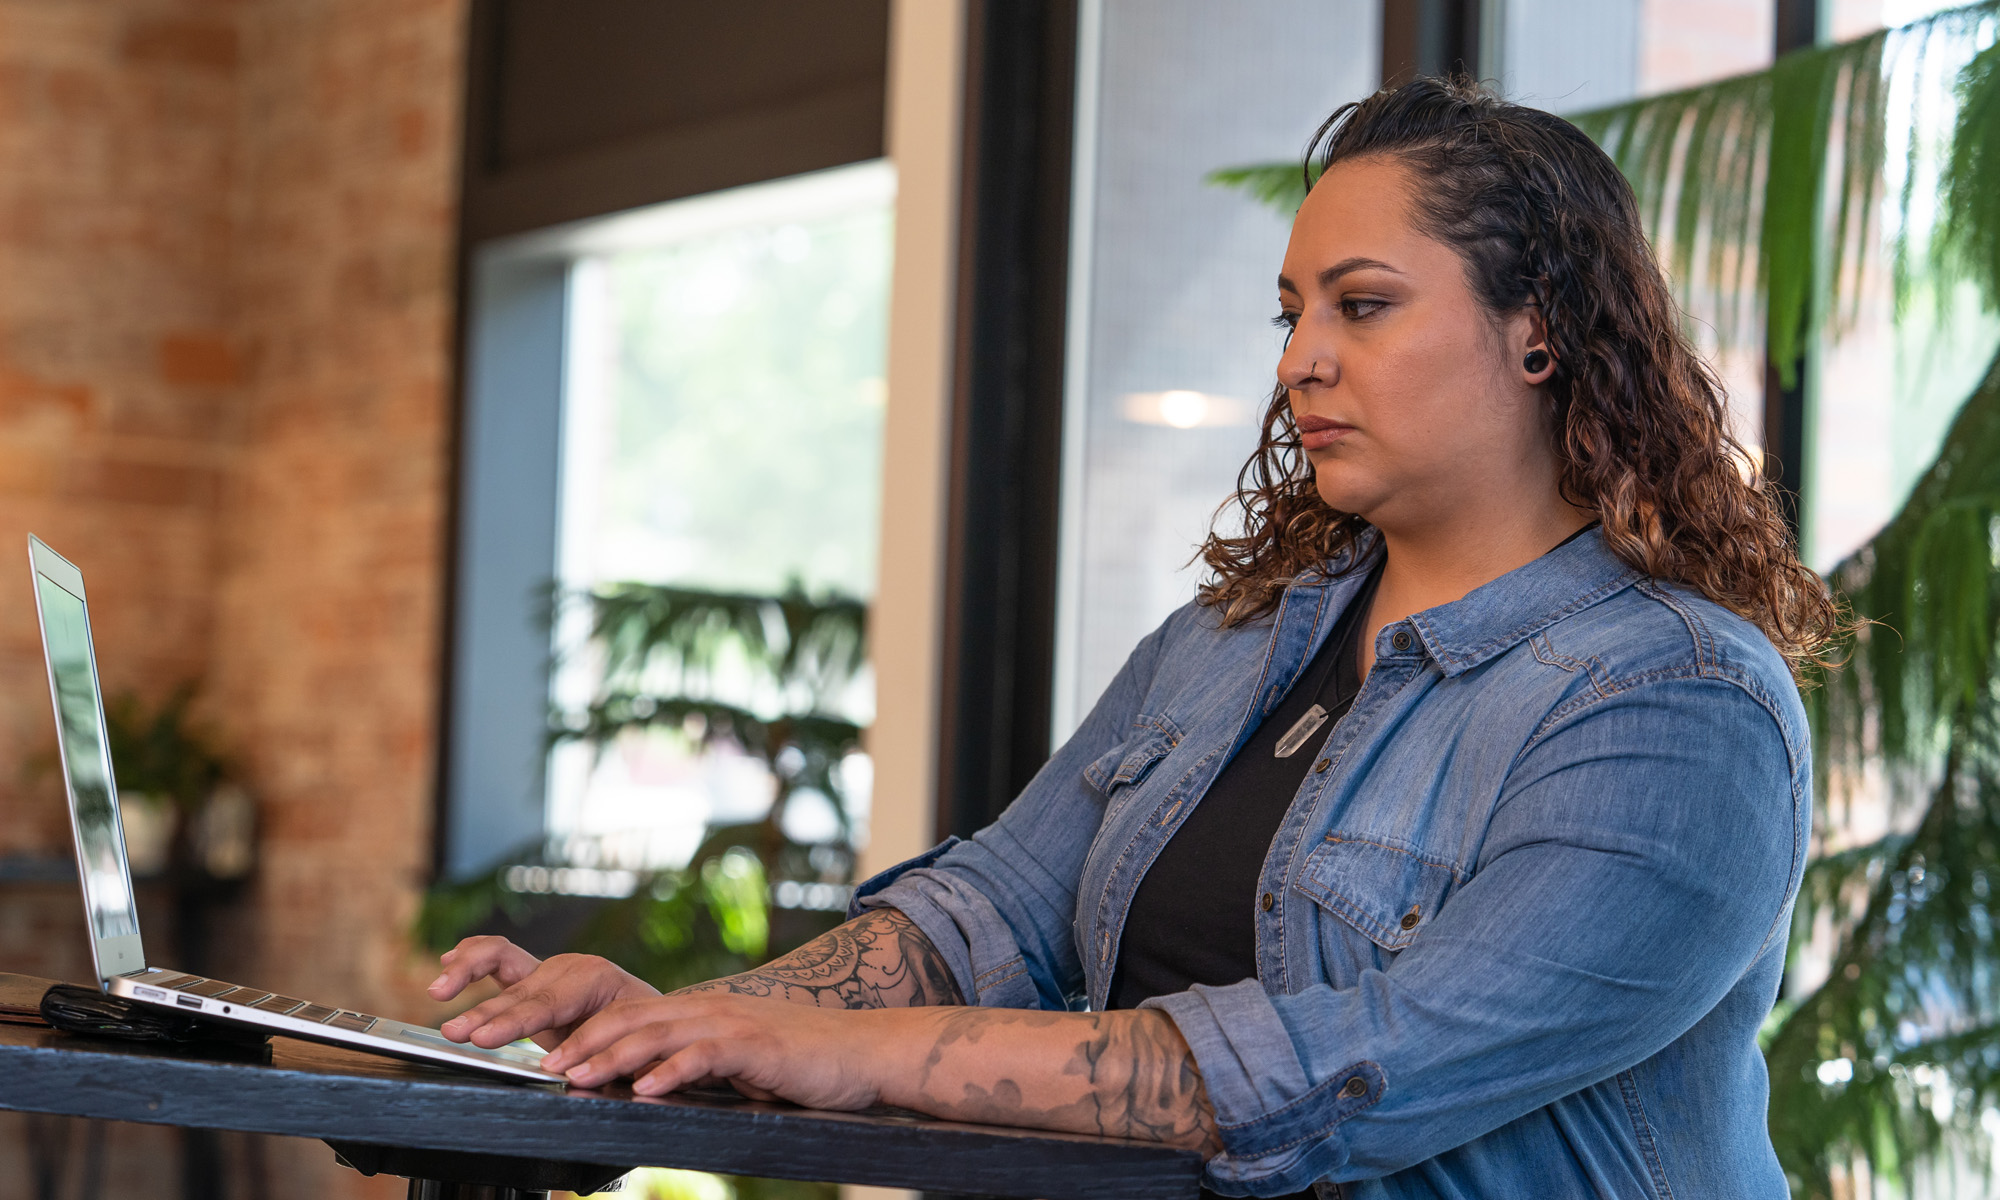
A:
(1411, 400)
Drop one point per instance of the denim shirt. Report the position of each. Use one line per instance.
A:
(1516, 933)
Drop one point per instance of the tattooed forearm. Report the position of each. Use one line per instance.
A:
(878, 960)
(1121, 1074)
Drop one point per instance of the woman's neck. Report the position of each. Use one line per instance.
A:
(1436, 566)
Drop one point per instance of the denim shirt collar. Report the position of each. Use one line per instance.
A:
(1494, 617)
(1501, 614)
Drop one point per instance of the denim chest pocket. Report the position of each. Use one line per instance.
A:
(1387, 893)
(1151, 739)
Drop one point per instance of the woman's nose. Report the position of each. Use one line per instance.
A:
(1301, 364)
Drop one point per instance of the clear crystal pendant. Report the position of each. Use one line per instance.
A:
(1305, 727)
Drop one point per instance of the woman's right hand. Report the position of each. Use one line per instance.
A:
(542, 1000)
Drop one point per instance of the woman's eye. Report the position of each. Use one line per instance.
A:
(1286, 320)
(1358, 310)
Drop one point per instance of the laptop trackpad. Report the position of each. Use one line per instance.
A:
(528, 1055)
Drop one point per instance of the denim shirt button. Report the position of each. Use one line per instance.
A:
(1357, 1087)
(1322, 765)
(1400, 639)
(1265, 901)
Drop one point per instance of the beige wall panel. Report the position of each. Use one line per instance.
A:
(925, 86)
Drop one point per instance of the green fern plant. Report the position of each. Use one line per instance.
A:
(662, 649)
(1763, 193)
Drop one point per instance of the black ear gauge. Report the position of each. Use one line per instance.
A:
(1536, 362)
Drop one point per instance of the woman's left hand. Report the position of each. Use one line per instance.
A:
(766, 1049)
(1121, 1074)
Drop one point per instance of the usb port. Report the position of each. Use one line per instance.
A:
(188, 1001)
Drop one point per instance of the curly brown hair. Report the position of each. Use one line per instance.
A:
(1540, 215)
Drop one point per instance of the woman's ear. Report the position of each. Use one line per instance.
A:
(1537, 360)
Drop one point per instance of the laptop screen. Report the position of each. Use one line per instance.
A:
(100, 841)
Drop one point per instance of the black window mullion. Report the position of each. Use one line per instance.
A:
(1006, 440)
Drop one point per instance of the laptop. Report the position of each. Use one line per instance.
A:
(108, 900)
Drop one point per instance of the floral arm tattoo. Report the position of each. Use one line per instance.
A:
(1126, 1074)
(878, 960)
(1120, 1074)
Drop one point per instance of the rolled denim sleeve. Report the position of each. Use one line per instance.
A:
(1643, 854)
(1000, 906)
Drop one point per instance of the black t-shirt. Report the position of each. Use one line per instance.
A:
(1193, 919)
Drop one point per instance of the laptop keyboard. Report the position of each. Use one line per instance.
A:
(271, 1002)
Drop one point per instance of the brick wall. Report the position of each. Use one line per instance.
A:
(331, 534)
(225, 314)
(118, 375)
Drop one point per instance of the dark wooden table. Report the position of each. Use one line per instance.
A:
(460, 1134)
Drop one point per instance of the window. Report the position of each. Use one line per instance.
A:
(686, 394)
(722, 429)
(1172, 356)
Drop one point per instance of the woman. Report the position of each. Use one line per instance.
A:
(1447, 845)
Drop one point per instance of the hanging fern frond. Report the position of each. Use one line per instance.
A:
(1697, 161)
(1282, 185)
(1969, 237)
(1897, 1054)
(1926, 588)
(1831, 882)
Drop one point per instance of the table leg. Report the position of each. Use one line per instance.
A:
(468, 1175)
(201, 1163)
(437, 1189)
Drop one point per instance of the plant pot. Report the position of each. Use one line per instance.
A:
(150, 824)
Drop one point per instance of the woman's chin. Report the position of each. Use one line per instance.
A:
(1340, 494)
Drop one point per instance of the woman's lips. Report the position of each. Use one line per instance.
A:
(1317, 433)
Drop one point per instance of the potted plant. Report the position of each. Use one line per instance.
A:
(184, 818)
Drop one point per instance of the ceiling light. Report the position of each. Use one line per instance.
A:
(1184, 409)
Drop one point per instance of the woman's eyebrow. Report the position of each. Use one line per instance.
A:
(1334, 272)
